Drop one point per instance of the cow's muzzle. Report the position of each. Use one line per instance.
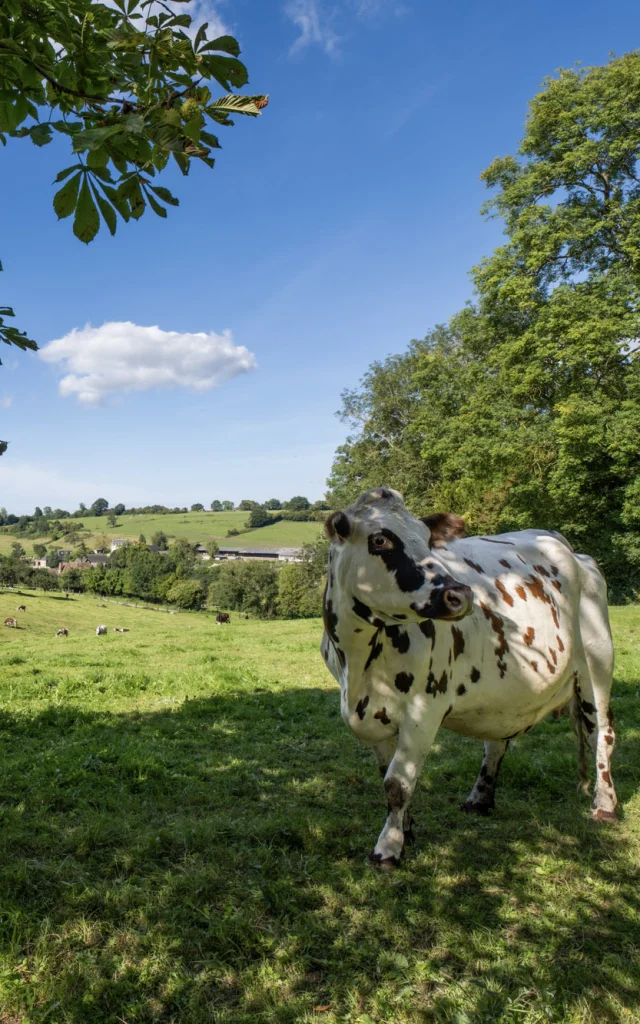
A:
(450, 602)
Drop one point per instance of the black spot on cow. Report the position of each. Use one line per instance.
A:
(554, 569)
(395, 793)
(458, 641)
(461, 690)
(474, 565)
(475, 675)
(382, 716)
(447, 712)
(541, 569)
(504, 562)
(330, 619)
(437, 685)
(404, 681)
(399, 638)
(587, 707)
(357, 630)
(428, 630)
(376, 650)
(399, 616)
(491, 540)
(361, 707)
(362, 610)
(409, 576)
(341, 657)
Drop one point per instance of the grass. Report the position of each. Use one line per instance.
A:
(195, 526)
(184, 824)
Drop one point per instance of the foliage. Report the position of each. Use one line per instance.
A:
(299, 592)
(99, 507)
(250, 586)
(39, 550)
(524, 410)
(213, 548)
(258, 517)
(160, 540)
(298, 503)
(273, 504)
(198, 507)
(129, 88)
(216, 506)
(186, 594)
(112, 520)
(246, 505)
(227, 506)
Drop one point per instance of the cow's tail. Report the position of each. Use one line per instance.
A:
(584, 785)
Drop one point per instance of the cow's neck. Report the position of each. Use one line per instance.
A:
(357, 637)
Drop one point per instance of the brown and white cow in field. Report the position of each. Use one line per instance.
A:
(13, 623)
(63, 632)
(117, 629)
(222, 617)
(483, 635)
(21, 608)
(101, 630)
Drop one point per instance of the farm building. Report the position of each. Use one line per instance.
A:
(261, 554)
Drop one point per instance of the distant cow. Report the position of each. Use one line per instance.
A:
(11, 622)
(222, 617)
(101, 630)
(21, 608)
(116, 629)
(62, 632)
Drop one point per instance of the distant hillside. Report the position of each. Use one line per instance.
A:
(194, 526)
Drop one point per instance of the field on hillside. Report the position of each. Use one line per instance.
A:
(185, 820)
(195, 526)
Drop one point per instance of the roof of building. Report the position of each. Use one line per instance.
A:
(264, 552)
(97, 558)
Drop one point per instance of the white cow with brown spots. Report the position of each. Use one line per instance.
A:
(483, 635)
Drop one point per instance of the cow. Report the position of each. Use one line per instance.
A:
(116, 629)
(21, 608)
(13, 623)
(222, 617)
(63, 632)
(101, 630)
(485, 636)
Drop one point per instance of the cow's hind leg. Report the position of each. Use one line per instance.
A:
(594, 721)
(481, 799)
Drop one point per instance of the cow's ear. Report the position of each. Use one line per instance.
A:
(444, 526)
(337, 525)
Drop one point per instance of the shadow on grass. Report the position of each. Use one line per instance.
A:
(206, 862)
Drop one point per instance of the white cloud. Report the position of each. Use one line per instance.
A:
(6, 402)
(314, 25)
(201, 11)
(123, 357)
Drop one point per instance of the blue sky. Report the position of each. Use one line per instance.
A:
(333, 230)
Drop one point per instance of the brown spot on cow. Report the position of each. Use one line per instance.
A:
(497, 625)
(458, 641)
(361, 707)
(541, 569)
(551, 668)
(560, 644)
(404, 681)
(609, 740)
(606, 778)
(535, 588)
(521, 592)
(474, 565)
(610, 717)
(474, 675)
(504, 562)
(554, 656)
(556, 584)
(554, 616)
(383, 717)
(534, 665)
(461, 690)
(601, 766)
(554, 569)
(529, 636)
(504, 593)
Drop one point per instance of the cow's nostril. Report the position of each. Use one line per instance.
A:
(452, 600)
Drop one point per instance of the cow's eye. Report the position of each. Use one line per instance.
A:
(381, 543)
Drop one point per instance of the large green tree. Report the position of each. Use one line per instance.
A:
(129, 85)
(525, 409)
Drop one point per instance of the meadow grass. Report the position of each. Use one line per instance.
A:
(184, 820)
(194, 526)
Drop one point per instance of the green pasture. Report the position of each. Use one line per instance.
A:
(184, 821)
(194, 526)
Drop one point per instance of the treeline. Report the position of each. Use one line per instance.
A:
(261, 589)
(524, 410)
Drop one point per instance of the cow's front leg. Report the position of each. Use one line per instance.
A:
(384, 752)
(417, 732)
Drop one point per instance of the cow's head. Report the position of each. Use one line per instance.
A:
(388, 560)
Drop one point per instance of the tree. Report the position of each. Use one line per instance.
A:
(197, 508)
(112, 520)
(119, 509)
(39, 550)
(525, 409)
(298, 503)
(299, 594)
(258, 517)
(53, 560)
(246, 505)
(273, 504)
(216, 506)
(129, 88)
(213, 548)
(47, 512)
(228, 506)
(99, 506)
(142, 539)
(160, 540)
(186, 594)
(246, 586)
(73, 579)
(37, 513)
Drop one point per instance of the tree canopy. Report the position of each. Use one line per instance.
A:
(524, 410)
(129, 84)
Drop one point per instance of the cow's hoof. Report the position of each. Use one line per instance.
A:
(380, 863)
(599, 814)
(473, 807)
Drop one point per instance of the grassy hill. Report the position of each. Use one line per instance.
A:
(195, 526)
(185, 820)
